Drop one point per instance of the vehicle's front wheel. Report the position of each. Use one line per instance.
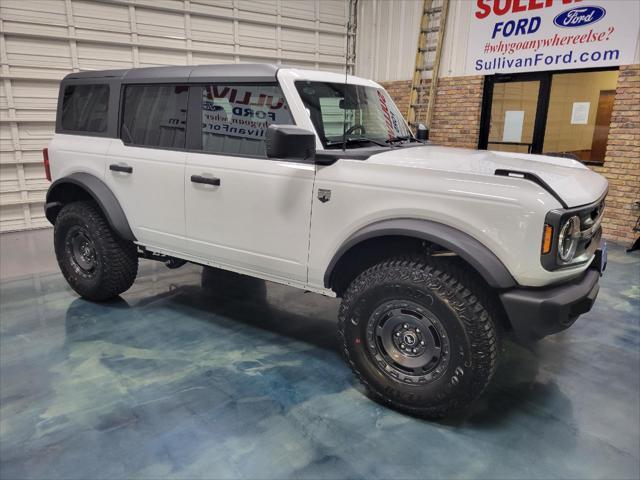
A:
(94, 260)
(419, 336)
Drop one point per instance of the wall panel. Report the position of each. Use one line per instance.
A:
(43, 40)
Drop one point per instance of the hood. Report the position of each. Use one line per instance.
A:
(569, 179)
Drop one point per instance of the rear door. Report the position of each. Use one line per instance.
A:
(244, 211)
(145, 167)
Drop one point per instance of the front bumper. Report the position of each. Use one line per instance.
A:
(535, 313)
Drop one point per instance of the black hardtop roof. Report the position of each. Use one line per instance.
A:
(234, 72)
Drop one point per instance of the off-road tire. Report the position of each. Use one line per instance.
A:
(443, 290)
(115, 260)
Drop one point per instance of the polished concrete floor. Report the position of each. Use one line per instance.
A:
(189, 376)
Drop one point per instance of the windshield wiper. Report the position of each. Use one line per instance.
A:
(399, 139)
(355, 140)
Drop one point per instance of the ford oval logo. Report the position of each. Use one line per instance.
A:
(580, 16)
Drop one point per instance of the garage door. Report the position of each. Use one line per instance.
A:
(43, 40)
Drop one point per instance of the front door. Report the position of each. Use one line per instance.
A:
(243, 211)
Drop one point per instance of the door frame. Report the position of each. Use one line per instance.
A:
(542, 108)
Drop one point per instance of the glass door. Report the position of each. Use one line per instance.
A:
(580, 109)
(565, 114)
(513, 116)
(515, 107)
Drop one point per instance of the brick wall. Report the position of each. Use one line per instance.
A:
(456, 114)
(456, 122)
(399, 92)
(622, 160)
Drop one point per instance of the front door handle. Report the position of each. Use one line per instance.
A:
(114, 167)
(205, 180)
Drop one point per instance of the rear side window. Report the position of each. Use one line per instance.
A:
(84, 108)
(235, 117)
(155, 115)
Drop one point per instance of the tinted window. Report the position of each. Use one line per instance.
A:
(235, 118)
(84, 108)
(155, 115)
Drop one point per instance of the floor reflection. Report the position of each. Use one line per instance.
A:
(200, 373)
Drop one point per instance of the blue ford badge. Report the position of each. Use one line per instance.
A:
(580, 16)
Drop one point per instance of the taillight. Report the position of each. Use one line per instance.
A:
(47, 167)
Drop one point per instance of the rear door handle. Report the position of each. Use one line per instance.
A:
(114, 167)
(205, 180)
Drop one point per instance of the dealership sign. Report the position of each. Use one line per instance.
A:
(530, 35)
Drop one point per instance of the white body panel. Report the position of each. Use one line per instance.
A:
(256, 220)
(577, 183)
(152, 197)
(505, 214)
(78, 153)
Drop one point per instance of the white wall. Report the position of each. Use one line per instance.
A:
(387, 38)
(454, 52)
(388, 32)
(43, 40)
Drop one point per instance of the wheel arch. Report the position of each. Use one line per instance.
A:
(396, 236)
(84, 186)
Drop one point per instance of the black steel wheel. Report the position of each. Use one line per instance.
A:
(407, 342)
(94, 260)
(419, 335)
(81, 251)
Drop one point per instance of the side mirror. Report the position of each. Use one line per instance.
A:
(290, 142)
(422, 133)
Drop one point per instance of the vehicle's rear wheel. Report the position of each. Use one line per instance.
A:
(419, 336)
(94, 260)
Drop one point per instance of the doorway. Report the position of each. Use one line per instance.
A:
(553, 113)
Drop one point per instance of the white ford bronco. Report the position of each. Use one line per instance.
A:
(303, 178)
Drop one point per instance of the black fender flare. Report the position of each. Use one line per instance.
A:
(483, 260)
(99, 192)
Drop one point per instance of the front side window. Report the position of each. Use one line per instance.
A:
(235, 118)
(155, 115)
(363, 114)
(84, 108)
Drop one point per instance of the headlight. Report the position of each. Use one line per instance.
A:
(568, 239)
(571, 236)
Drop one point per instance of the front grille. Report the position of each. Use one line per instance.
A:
(590, 231)
(591, 217)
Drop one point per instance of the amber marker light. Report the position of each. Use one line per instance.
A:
(547, 239)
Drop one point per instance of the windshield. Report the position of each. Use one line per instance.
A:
(366, 114)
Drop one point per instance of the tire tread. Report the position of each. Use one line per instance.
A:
(121, 269)
(462, 291)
